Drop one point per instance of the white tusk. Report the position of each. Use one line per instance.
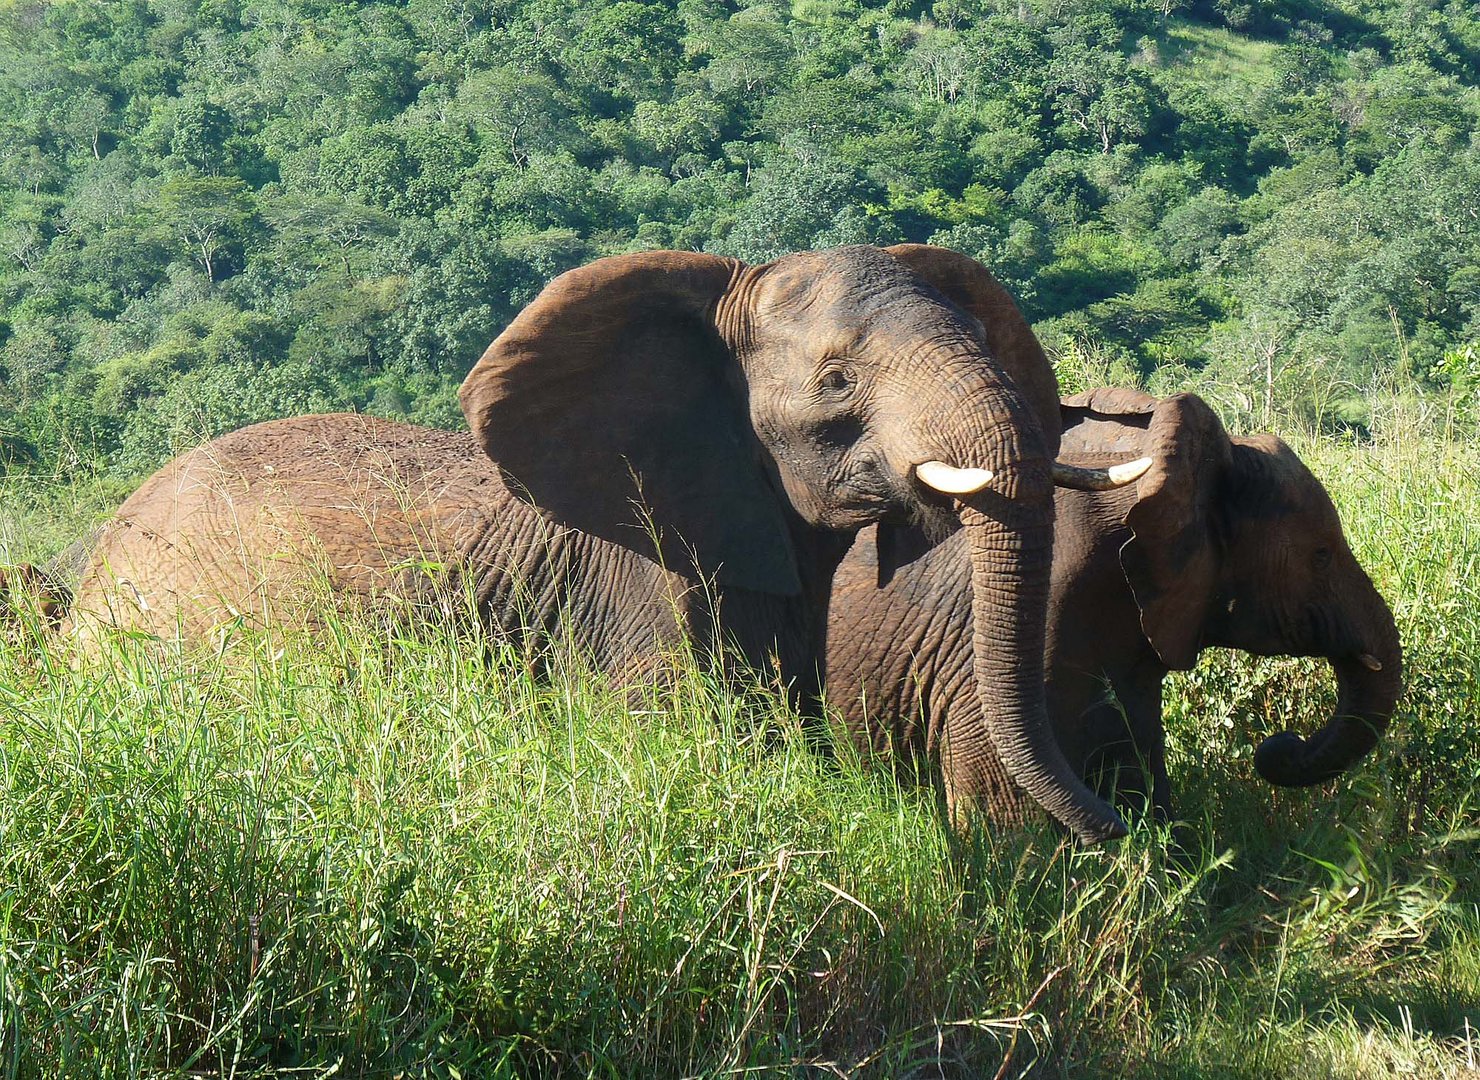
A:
(1073, 476)
(1370, 662)
(1127, 471)
(952, 481)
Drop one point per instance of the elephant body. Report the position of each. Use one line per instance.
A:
(1224, 541)
(663, 446)
(269, 523)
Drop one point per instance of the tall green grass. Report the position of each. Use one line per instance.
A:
(371, 853)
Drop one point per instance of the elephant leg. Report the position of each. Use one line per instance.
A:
(975, 780)
(1108, 722)
(1127, 762)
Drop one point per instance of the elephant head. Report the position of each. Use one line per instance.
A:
(721, 417)
(38, 586)
(1235, 543)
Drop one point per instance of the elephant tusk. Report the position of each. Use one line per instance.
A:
(1368, 661)
(952, 481)
(1073, 476)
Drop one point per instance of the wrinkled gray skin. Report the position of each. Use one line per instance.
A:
(1224, 541)
(758, 415)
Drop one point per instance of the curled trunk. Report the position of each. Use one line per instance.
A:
(1364, 704)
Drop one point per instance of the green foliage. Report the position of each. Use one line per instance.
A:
(379, 853)
(1177, 184)
(211, 219)
(1460, 369)
(798, 201)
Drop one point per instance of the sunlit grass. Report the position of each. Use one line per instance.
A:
(372, 853)
(1228, 66)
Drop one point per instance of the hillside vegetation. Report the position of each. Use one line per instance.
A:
(218, 212)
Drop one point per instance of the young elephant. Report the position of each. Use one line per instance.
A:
(38, 586)
(675, 444)
(1223, 541)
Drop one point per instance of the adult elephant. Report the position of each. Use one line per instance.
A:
(1223, 541)
(675, 444)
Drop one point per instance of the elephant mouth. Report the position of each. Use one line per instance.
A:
(871, 492)
(867, 495)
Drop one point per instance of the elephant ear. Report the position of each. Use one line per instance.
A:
(970, 286)
(611, 403)
(1173, 556)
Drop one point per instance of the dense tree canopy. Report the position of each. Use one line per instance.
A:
(216, 211)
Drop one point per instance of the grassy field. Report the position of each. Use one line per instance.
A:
(358, 856)
(1229, 67)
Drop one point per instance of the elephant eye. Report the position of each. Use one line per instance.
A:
(835, 379)
(1321, 557)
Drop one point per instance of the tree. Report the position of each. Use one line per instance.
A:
(310, 222)
(1059, 191)
(625, 49)
(24, 242)
(942, 65)
(210, 216)
(796, 204)
(1099, 93)
(367, 163)
(750, 52)
(201, 130)
(29, 168)
(32, 354)
(87, 118)
(1196, 228)
(689, 124)
(518, 110)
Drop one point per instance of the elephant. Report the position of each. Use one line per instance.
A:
(1223, 541)
(663, 446)
(40, 587)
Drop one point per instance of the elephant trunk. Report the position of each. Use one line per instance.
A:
(1011, 553)
(1369, 679)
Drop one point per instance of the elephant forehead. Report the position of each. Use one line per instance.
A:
(1272, 482)
(1121, 435)
(845, 284)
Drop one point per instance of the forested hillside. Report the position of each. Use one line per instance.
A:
(218, 212)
